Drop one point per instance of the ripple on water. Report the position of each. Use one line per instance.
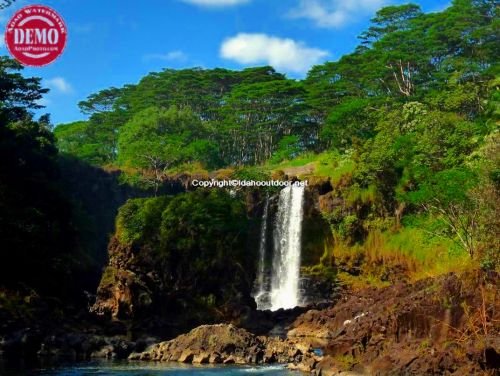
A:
(157, 369)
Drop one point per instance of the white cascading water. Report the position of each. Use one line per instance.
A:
(261, 288)
(287, 238)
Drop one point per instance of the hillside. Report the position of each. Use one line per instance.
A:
(108, 246)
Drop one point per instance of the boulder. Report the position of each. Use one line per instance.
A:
(202, 358)
(227, 344)
(187, 356)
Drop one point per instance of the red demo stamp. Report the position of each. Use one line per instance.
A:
(36, 35)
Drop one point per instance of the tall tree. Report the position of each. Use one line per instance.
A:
(35, 219)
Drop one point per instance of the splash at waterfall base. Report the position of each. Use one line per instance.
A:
(280, 283)
(398, 330)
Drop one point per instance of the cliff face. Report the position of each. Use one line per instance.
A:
(316, 233)
(153, 273)
(129, 282)
(317, 281)
(178, 262)
(133, 290)
(436, 326)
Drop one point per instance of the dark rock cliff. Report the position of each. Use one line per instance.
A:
(136, 287)
(192, 262)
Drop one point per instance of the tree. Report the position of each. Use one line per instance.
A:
(202, 236)
(446, 195)
(18, 94)
(486, 197)
(155, 140)
(103, 101)
(35, 218)
(288, 148)
(196, 242)
(350, 120)
(258, 115)
(389, 20)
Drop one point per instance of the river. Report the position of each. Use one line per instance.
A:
(114, 368)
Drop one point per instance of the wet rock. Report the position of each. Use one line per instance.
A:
(215, 358)
(201, 358)
(104, 353)
(227, 344)
(187, 356)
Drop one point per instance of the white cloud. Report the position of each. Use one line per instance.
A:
(283, 54)
(216, 3)
(2, 40)
(335, 13)
(176, 55)
(59, 84)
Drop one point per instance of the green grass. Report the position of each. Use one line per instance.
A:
(326, 164)
(422, 237)
(299, 161)
(334, 166)
(412, 249)
(194, 168)
(433, 255)
(345, 362)
(361, 281)
(363, 195)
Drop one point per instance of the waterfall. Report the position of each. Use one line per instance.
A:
(260, 295)
(278, 286)
(287, 238)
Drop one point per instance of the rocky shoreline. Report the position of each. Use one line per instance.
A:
(227, 344)
(436, 326)
(28, 344)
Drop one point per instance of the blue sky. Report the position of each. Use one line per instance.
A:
(115, 42)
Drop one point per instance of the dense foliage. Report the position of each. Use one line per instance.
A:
(35, 218)
(406, 127)
(216, 117)
(197, 242)
(56, 213)
(404, 117)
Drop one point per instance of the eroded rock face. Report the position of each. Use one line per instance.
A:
(410, 329)
(228, 344)
(70, 346)
(126, 288)
(175, 272)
